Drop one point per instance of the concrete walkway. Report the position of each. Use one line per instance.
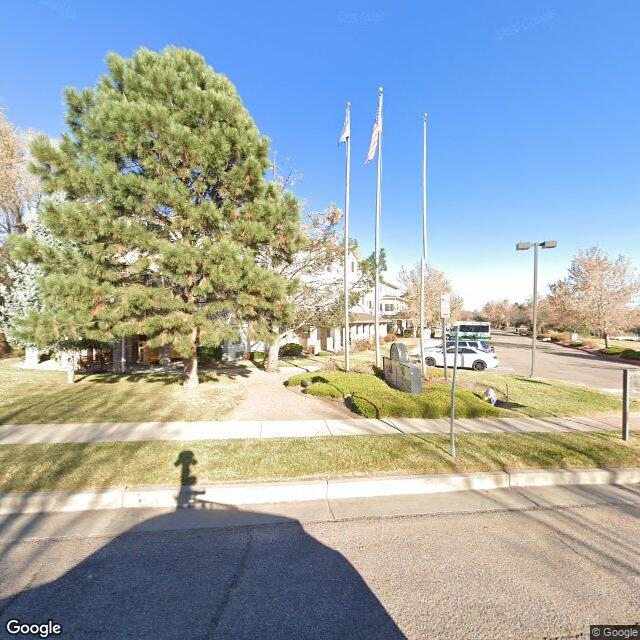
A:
(227, 429)
(267, 398)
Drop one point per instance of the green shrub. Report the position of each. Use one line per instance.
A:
(210, 353)
(612, 351)
(324, 389)
(632, 354)
(323, 353)
(291, 349)
(371, 397)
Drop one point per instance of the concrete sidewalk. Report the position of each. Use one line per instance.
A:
(230, 429)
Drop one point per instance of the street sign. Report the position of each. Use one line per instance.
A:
(445, 305)
(634, 382)
(630, 388)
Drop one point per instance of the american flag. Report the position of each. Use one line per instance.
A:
(375, 136)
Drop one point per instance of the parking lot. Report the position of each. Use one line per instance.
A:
(557, 362)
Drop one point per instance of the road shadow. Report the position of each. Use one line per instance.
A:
(203, 571)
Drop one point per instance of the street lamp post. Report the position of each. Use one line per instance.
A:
(523, 246)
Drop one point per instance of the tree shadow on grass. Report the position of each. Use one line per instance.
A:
(164, 378)
(514, 406)
(206, 571)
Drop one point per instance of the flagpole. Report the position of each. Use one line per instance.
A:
(377, 238)
(423, 260)
(346, 240)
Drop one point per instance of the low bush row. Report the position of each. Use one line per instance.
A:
(631, 354)
(371, 397)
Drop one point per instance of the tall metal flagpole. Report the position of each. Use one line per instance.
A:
(423, 261)
(346, 238)
(377, 242)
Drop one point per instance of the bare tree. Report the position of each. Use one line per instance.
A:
(20, 190)
(497, 312)
(20, 194)
(599, 292)
(436, 283)
(315, 275)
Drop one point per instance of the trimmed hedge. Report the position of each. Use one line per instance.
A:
(631, 354)
(371, 397)
(291, 349)
(612, 351)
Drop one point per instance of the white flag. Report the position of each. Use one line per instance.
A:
(346, 130)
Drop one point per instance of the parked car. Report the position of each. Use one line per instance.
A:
(468, 358)
(483, 345)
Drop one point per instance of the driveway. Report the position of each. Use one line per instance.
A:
(268, 399)
(560, 363)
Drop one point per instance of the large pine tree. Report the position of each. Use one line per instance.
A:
(165, 210)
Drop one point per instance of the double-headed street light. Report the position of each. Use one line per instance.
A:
(523, 246)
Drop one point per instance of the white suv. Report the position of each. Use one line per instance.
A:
(468, 358)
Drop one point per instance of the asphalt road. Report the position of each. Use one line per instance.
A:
(560, 363)
(488, 574)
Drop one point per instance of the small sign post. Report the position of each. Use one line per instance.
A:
(445, 314)
(445, 305)
(630, 385)
(453, 396)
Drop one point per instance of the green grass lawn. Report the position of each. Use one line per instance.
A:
(118, 464)
(373, 398)
(28, 396)
(542, 397)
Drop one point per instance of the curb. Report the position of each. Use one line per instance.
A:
(305, 490)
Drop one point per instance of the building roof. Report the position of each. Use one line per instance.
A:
(394, 285)
(363, 317)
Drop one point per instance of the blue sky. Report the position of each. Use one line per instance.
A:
(534, 111)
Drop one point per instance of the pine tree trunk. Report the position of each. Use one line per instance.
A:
(191, 372)
(4, 345)
(71, 368)
(272, 357)
(606, 340)
(190, 380)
